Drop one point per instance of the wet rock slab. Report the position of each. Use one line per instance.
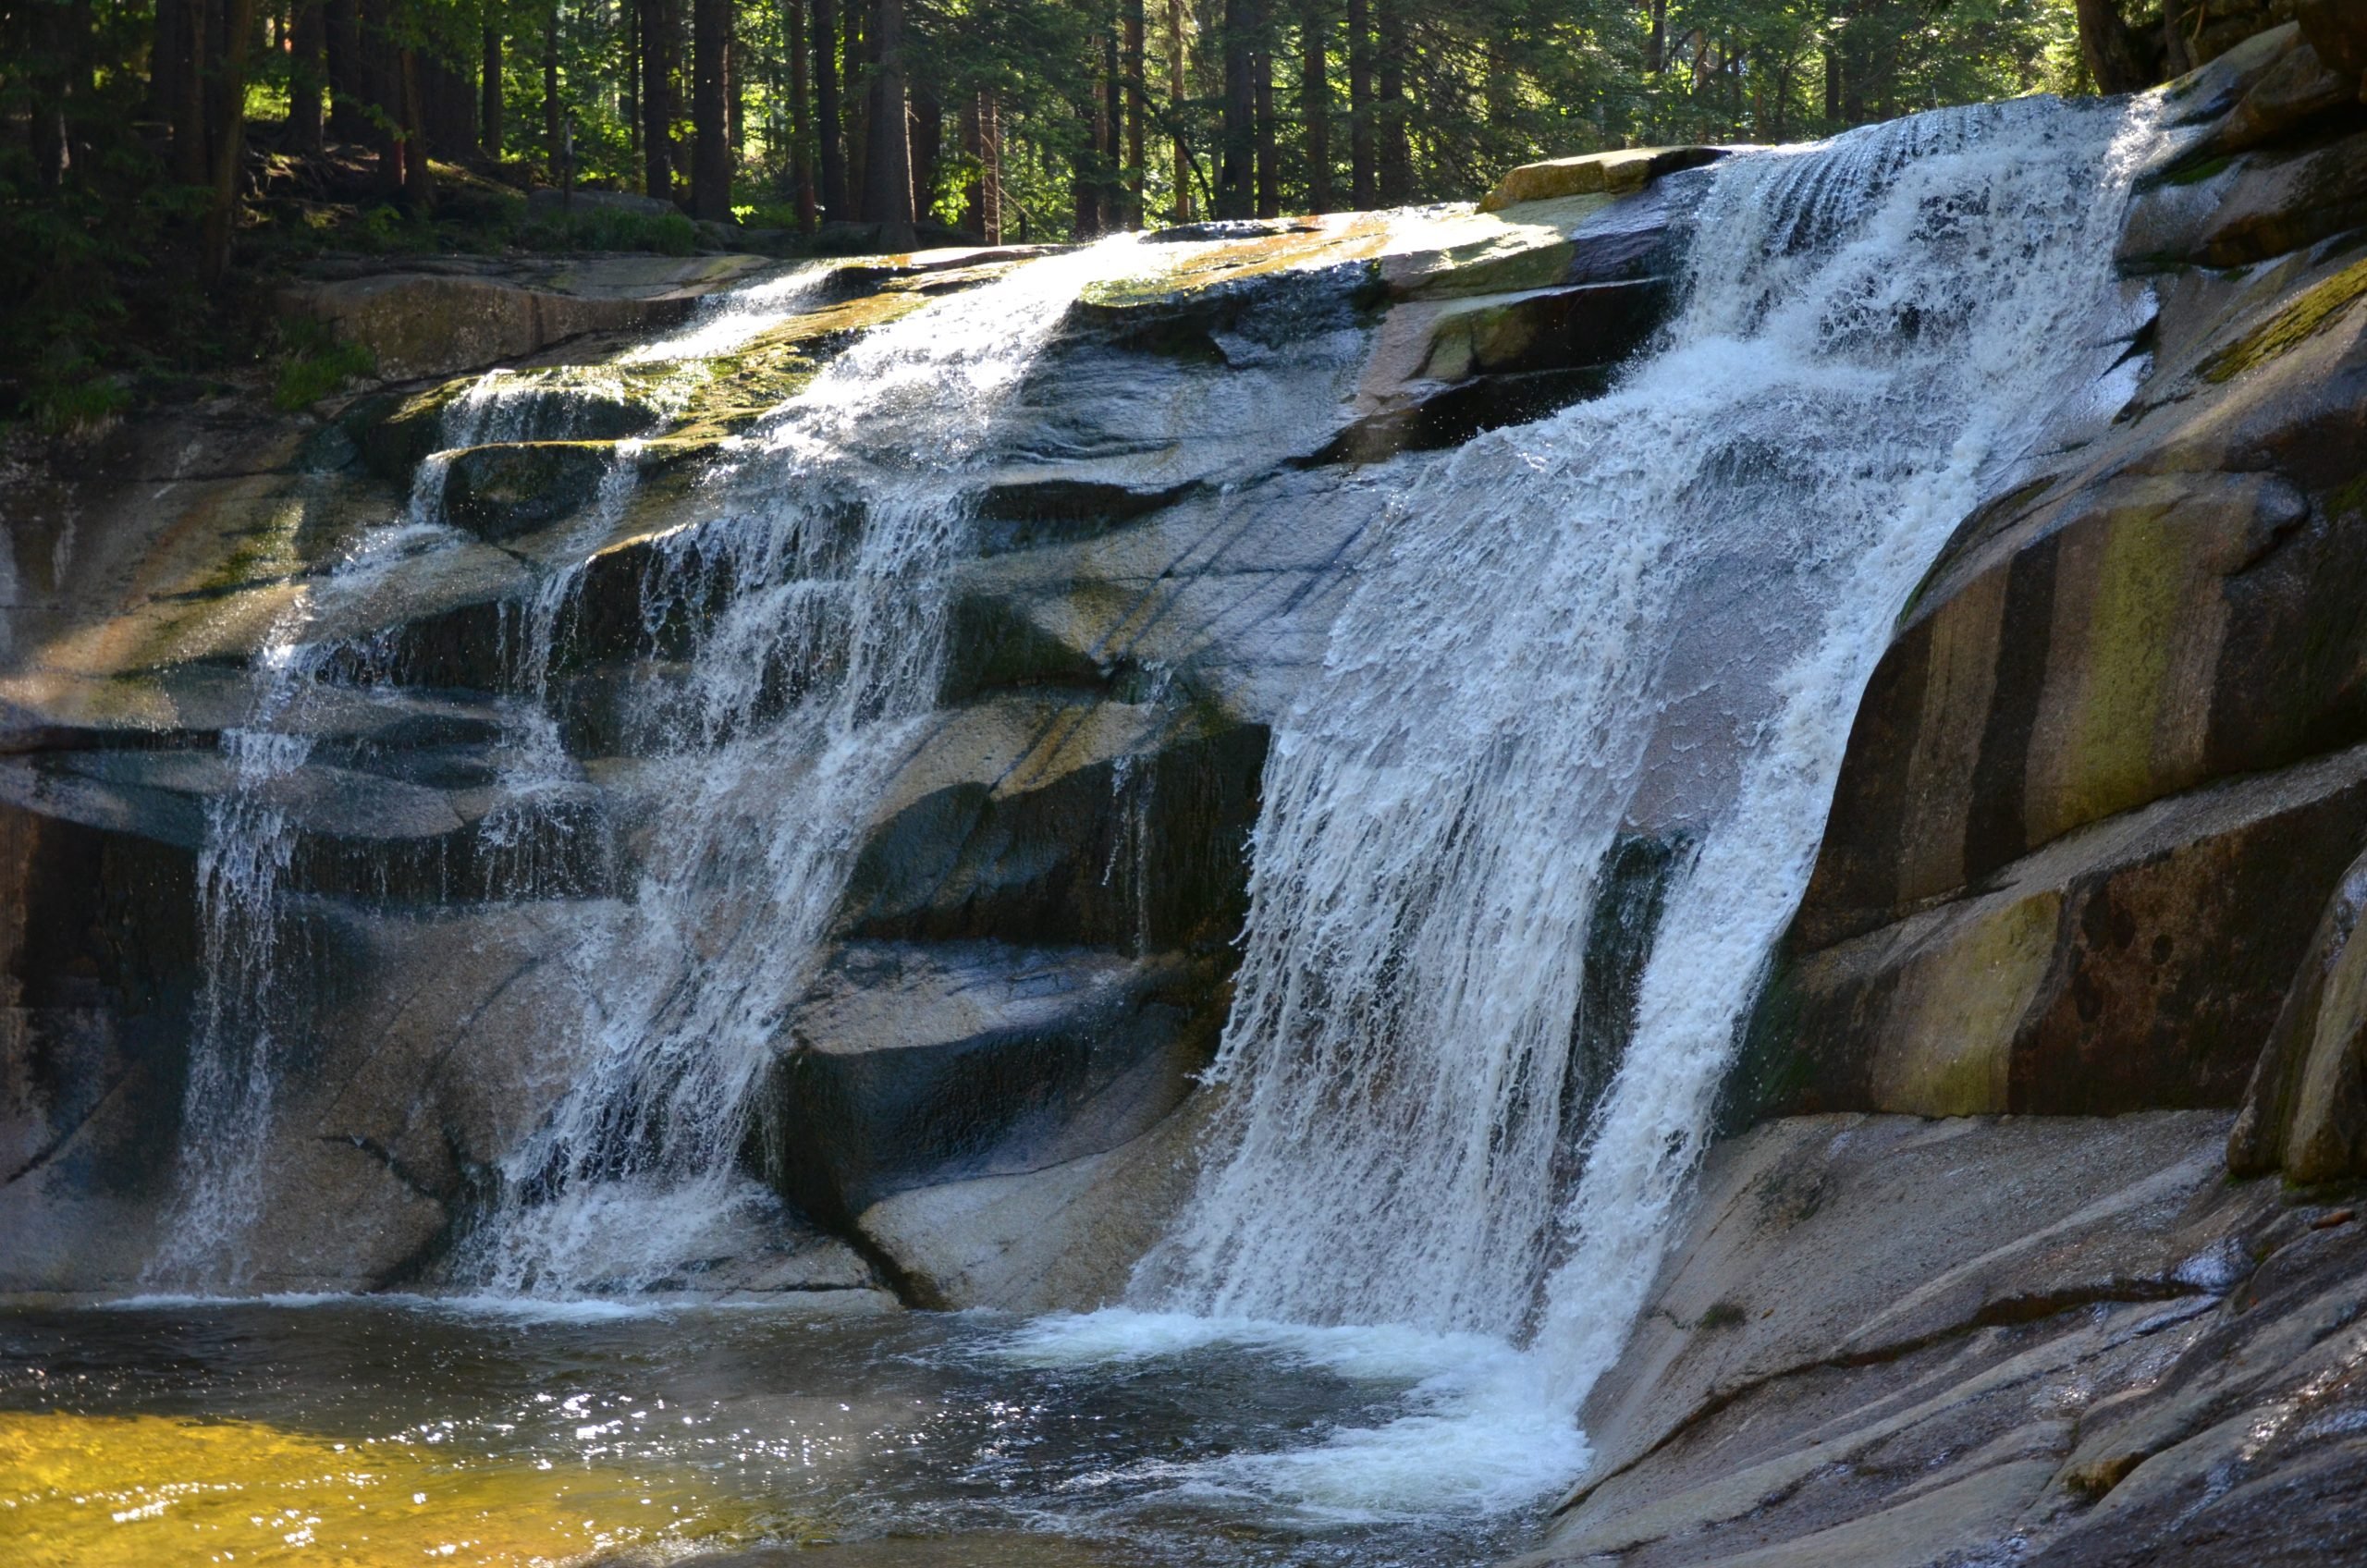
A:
(1881, 1341)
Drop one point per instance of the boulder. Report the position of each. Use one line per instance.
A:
(913, 1066)
(423, 324)
(499, 493)
(1055, 819)
(2305, 1112)
(2286, 202)
(99, 971)
(1614, 174)
(1062, 1239)
(2337, 33)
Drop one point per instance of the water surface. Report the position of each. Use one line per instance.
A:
(358, 1432)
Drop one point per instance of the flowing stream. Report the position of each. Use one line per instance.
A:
(1428, 1207)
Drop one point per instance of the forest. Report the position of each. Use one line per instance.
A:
(155, 148)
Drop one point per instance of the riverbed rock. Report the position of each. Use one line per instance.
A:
(1884, 1341)
(2100, 639)
(2305, 1112)
(1065, 1238)
(911, 1066)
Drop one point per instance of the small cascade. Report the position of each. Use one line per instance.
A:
(727, 320)
(241, 1031)
(818, 650)
(1687, 579)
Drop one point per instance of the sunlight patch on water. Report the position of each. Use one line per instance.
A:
(141, 1492)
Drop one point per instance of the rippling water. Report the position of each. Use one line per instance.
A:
(365, 1432)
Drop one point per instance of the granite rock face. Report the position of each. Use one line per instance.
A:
(2097, 792)
(1028, 961)
(1885, 1341)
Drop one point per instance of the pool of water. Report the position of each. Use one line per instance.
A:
(368, 1430)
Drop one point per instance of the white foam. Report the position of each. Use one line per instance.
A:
(1658, 609)
(726, 319)
(1480, 1430)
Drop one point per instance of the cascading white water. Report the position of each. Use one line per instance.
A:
(824, 560)
(1870, 337)
(726, 319)
(238, 1034)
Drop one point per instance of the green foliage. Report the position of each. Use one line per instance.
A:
(602, 228)
(315, 365)
(100, 259)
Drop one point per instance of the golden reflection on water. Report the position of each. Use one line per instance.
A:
(148, 1491)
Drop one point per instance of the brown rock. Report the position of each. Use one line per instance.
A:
(1615, 174)
(2138, 962)
(2338, 30)
(2284, 203)
(2105, 637)
(2297, 89)
(2306, 1112)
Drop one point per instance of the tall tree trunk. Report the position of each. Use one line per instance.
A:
(1656, 46)
(227, 142)
(829, 134)
(927, 121)
(190, 65)
(341, 46)
(711, 110)
(974, 160)
(166, 40)
(554, 141)
(418, 184)
(1178, 89)
(854, 100)
(887, 155)
(2110, 46)
(982, 141)
(1111, 125)
(735, 94)
(489, 85)
(448, 101)
(382, 95)
(1138, 111)
(1396, 141)
(1315, 104)
(1086, 171)
(1364, 167)
(307, 76)
(801, 110)
(56, 57)
(1236, 173)
(656, 102)
(628, 87)
(1261, 72)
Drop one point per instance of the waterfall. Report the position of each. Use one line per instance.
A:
(822, 562)
(239, 1031)
(1692, 575)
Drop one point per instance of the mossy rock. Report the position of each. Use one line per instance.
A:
(499, 493)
